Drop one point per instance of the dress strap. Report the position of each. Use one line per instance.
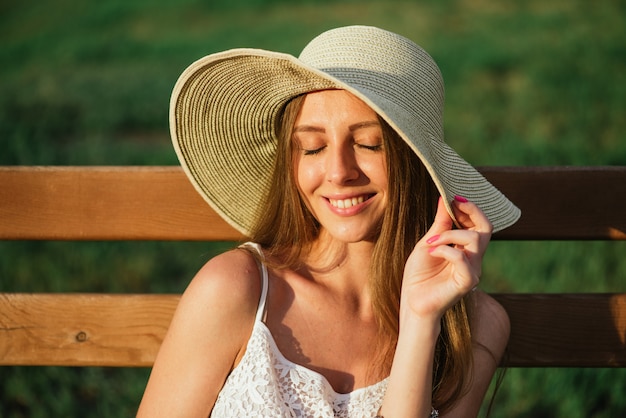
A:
(256, 248)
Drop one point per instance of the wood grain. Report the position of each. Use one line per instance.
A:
(105, 203)
(83, 329)
(556, 330)
(158, 203)
(566, 330)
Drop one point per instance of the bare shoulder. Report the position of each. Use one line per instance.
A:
(490, 324)
(218, 307)
(215, 316)
(230, 283)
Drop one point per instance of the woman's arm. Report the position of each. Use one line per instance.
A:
(207, 335)
(444, 266)
(409, 388)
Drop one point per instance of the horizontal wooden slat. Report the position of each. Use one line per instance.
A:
(83, 329)
(132, 203)
(564, 202)
(566, 330)
(158, 203)
(581, 330)
(105, 203)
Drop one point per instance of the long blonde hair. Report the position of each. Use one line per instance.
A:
(286, 228)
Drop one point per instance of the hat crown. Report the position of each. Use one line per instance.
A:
(384, 64)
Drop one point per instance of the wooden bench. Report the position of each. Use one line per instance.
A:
(158, 203)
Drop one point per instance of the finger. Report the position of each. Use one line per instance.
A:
(443, 221)
(469, 242)
(470, 216)
(464, 239)
(464, 278)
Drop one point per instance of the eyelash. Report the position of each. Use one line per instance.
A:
(371, 147)
(312, 151)
(316, 151)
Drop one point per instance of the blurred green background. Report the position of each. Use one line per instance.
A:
(87, 83)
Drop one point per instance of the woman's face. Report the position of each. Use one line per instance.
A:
(340, 166)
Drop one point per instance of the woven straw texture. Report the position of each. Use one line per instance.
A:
(224, 107)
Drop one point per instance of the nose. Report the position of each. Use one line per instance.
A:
(342, 166)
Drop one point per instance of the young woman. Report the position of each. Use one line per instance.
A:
(354, 296)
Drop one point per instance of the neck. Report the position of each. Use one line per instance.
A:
(339, 265)
(327, 254)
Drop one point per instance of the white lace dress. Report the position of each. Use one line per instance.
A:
(266, 384)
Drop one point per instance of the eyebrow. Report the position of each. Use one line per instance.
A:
(308, 128)
(363, 125)
(352, 128)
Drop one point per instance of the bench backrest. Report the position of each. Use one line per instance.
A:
(158, 203)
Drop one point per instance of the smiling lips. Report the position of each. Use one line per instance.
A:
(348, 203)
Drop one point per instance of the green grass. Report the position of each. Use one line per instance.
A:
(527, 83)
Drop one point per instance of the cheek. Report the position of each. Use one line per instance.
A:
(376, 170)
(305, 186)
(298, 174)
(307, 177)
(302, 183)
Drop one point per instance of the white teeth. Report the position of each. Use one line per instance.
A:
(347, 203)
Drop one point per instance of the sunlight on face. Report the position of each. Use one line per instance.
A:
(340, 164)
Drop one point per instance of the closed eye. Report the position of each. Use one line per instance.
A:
(312, 151)
(378, 147)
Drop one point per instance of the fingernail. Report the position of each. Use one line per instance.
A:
(432, 239)
(460, 199)
(431, 249)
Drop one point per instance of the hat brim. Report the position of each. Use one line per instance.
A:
(223, 112)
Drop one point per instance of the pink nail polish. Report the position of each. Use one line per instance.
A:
(460, 199)
(432, 239)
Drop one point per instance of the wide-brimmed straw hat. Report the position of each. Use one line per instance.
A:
(224, 108)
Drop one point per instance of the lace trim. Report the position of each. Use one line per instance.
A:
(266, 384)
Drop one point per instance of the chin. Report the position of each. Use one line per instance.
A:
(352, 236)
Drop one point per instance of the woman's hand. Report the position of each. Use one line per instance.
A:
(444, 266)
(446, 263)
